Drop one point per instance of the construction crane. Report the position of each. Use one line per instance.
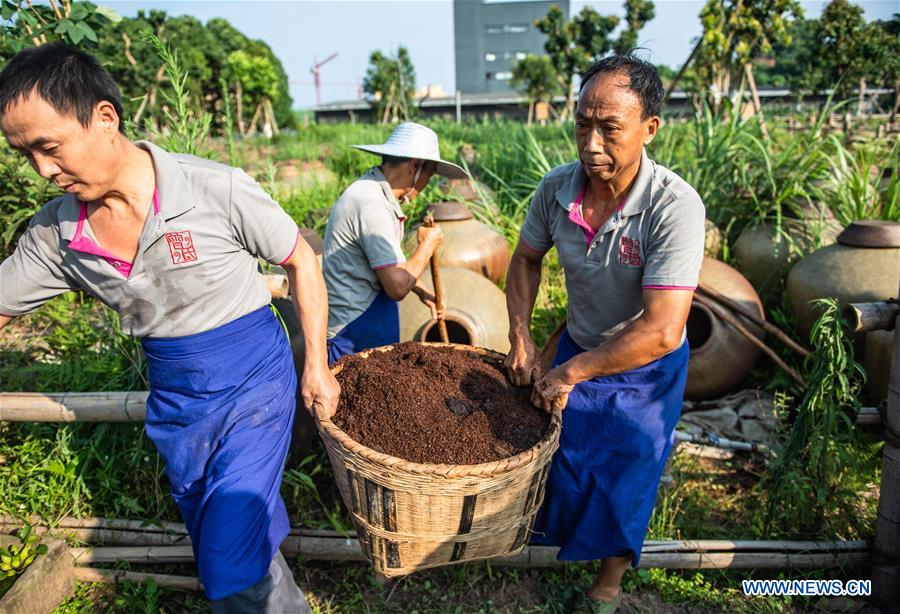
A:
(315, 71)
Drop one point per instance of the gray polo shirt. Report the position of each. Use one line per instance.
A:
(364, 234)
(196, 265)
(654, 241)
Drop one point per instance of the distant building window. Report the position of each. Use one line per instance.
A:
(493, 56)
(506, 28)
(503, 76)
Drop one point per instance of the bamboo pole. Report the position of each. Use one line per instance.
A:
(118, 576)
(725, 315)
(73, 406)
(753, 317)
(428, 222)
(866, 317)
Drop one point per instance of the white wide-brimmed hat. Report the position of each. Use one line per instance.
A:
(412, 140)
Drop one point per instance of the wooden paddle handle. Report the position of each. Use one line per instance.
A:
(428, 222)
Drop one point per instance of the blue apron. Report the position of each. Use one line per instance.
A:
(378, 325)
(617, 433)
(220, 411)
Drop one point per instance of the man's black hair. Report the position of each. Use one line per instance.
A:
(642, 76)
(70, 80)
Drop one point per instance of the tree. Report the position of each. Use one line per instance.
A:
(390, 84)
(573, 46)
(735, 33)
(535, 77)
(637, 14)
(204, 52)
(24, 24)
(890, 65)
(846, 52)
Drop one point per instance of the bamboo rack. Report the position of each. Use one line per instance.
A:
(684, 555)
(167, 542)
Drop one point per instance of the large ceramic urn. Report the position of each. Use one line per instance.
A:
(863, 266)
(467, 244)
(763, 254)
(720, 356)
(475, 312)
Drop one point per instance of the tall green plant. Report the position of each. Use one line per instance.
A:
(185, 129)
(808, 482)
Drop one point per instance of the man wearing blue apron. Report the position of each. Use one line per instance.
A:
(629, 234)
(171, 243)
(365, 270)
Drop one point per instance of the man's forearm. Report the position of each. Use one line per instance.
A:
(638, 344)
(522, 283)
(310, 300)
(4, 320)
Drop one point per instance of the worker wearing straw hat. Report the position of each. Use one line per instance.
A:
(171, 243)
(366, 272)
(629, 235)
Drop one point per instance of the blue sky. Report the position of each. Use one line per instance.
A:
(299, 31)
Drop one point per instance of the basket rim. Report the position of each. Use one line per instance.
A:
(330, 429)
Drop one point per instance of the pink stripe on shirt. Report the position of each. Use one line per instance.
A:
(82, 243)
(293, 249)
(669, 287)
(576, 215)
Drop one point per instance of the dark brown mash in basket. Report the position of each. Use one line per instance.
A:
(430, 404)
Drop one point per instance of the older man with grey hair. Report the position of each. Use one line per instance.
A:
(366, 272)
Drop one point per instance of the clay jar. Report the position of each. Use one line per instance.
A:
(720, 355)
(864, 265)
(475, 312)
(467, 243)
(762, 254)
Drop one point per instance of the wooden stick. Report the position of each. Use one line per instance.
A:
(723, 314)
(753, 317)
(428, 222)
(117, 576)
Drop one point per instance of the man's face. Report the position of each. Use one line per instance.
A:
(609, 131)
(79, 160)
(424, 176)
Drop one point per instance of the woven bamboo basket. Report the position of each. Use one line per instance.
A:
(411, 516)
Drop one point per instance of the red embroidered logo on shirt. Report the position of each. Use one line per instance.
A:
(630, 251)
(181, 247)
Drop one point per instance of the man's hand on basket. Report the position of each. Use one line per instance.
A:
(320, 390)
(523, 365)
(551, 392)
